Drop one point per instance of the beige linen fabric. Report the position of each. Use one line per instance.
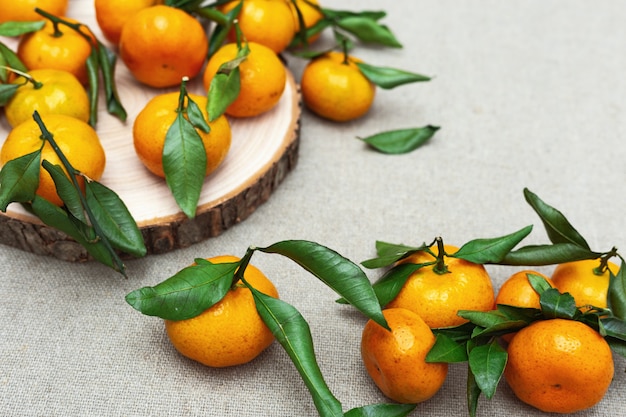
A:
(528, 94)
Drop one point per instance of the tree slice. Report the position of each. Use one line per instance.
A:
(264, 150)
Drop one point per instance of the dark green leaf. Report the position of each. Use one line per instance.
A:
(66, 190)
(107, 60)
(447, 350)
(19, 179)
(336, 271)
(485, 251)
(401, 141)
(114, 219)
(382, 410)
(473, 393)
(389, 254)
(483, 318)
(487, 364)
(338, 14)
(390, 284)
(558, 228)
(60, 219)
(368, 30)
(519, 314)
(617, 293)
(617, 346)
(187, 293)
(539, 255)
(184, 164)
(221, 29)
(93, 78)
(12, 29)
(7, 91)
(461, 333)
(557, 305)
(196, 117)
(294, 335)
(389, 78)
(11, 59)
(614, 327)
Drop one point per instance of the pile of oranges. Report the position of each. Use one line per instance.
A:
(551, 362)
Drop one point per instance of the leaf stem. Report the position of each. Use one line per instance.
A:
(73, 173)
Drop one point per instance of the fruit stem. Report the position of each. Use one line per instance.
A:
(182, 95)
(243, 264)
(344, 47)
(604, 261)
(440, 266)
(29, 78)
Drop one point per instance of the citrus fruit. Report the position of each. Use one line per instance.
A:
(517, 291)
(77, 140)
(161, 44)
(229, 333)
(333, 87)
(262, 79)
(310, 15)
(395, 360)
(24, 10)
(437, 297)
(559, 366)
(54, 92)
(581, 281)
(153, 122)
(112, 14)
(66, 49)
(268, 22)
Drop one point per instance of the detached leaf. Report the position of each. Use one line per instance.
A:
(294, 335)
(389, 78)
(447, 350)
(487, 363)
(617, 293)
(187, 293)
(558, 228)
(19, 179)
(557, 305)
(114, 218)
(382, 410)
(494, 250)
(13, 29)
(184, 164)
(401, 141)
(369, 30)
(540, 255)
(337, 272)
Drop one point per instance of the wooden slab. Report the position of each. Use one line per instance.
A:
(264, 150)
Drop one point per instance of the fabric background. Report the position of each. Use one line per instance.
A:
(527, 94)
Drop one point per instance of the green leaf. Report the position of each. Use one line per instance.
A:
(93, 80)
(336, 271)
(66, 190)
(196, 117)
(114, 218)
(382, 410)
(558, 228)
(390, 253)
(614, 327)
(107, 60)
(447, 350)
(84, 235)
(617, 292)
(225, 86)
(187, 293)
(539, 283)
(338, 14)
(184, 164)
(473, 393)
(19, 179)
(368, 30)
(557, 305)
(617, 346)
(539, 255)
(487, 363)
(13, 28)
(7, 91)
(484, 251)
(11, 60)
(401, 141)
(389, 78)
(390, 284)
(294, 335)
